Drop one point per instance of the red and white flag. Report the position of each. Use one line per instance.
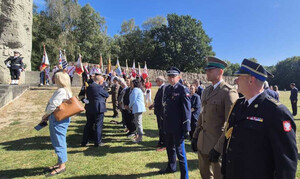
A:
(45, 60)
(79, 67)
(133, 71)
(145, 72)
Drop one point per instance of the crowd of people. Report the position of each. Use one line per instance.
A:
(237, 133)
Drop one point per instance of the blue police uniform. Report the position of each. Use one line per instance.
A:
(260, 141)
(177, 115)
(272, 93)
(96, 95)
(196, 106)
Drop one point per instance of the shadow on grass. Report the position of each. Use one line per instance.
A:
(118, 176)
(32, 143)
(28, 172)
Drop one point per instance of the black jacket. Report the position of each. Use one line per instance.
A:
(262, 143)
(294, 94)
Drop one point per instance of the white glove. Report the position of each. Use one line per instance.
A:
(8, 65)
(86, 101)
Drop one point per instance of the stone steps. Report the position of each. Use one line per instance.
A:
(10, 92)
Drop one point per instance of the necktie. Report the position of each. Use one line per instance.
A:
(245, 105)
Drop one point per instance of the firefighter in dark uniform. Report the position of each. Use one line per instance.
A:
(15, 64)
(260, 135)
(177, 116)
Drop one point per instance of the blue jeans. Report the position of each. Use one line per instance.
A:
(58, 131)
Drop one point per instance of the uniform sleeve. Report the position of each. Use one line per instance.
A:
(282, 135)
(230, 97)
(56, 100)
(186, 105)
(199, 123)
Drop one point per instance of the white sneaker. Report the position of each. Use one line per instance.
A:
(47, 84)
(41, 84)
(16, 82)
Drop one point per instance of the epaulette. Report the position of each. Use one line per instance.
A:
(228, 86)
(277, 103)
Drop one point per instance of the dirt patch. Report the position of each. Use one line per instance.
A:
(29, 108)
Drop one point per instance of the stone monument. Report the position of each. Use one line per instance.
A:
(15, 34)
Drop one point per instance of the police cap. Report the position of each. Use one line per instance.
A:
(249, 67)
(173, 71)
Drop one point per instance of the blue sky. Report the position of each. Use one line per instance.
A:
(268, 30)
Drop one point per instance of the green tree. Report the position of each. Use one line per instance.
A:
(286, 72)
(154, 22)
(182, 43)
(90, 34)
(231, 68)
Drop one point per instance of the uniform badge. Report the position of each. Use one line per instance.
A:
(256, 106)
(255, 119)
(287, 127)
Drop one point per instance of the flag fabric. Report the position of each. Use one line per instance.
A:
(126, 69)
(79, 67)
(45, 60)
(145, 72)
(60, 59)
(108, 66)
(101, 63)
(64, 62)
(133, 71)
(140, 73)
(118, 68)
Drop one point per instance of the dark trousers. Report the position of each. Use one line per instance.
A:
(84, 78)
(14, 74)
(71, 78)
(193, 127)
(128, 119)
(159, 119)
(294, 107)
(92, 119)
(175, 146)
(115, 104)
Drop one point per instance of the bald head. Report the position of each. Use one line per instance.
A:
(99, 79)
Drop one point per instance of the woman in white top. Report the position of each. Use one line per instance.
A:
(58, 129)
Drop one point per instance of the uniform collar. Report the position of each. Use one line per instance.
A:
(161, 85)
(217, 84)
(253, 98)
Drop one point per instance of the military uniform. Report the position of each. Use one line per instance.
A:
(216, 104)
(15, 64)
(176, 124)
(260, 141)
(260, 133)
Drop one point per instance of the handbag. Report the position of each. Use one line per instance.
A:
(68, 108)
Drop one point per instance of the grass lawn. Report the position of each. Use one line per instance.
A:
(25, 153)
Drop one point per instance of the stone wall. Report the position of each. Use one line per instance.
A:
(15, 33)
(33, 77)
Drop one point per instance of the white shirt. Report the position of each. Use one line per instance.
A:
(57, 98)
(217, 84)
(253, 98)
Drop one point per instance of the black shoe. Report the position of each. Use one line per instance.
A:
(82, 145)
(165, 171)
(100, 144)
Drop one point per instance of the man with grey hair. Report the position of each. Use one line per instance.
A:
(158, 111)
(260, 132)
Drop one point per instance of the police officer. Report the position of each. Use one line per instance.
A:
(95, 108)
(260, 135)
(217, 99)
(177, 116)
(15, 64)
